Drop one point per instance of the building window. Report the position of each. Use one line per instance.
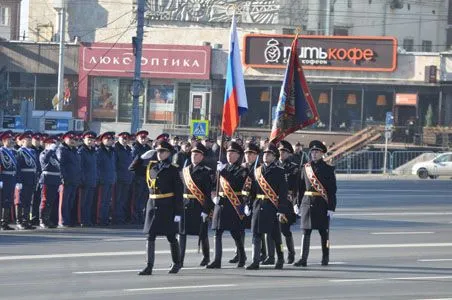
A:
(408, 45)
(426, 46)
(340, 30)
(104, 99)
(4, 16)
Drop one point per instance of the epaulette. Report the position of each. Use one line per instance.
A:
(153, 161)
(175, 165)
(292, 163)
(208, 168)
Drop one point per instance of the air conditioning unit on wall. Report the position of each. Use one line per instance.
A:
(78, 125)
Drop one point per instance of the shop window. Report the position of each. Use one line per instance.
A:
(340, 30)
(258, 108)
(346, 110)
(160, 102)
(322, 101)
(125, 103)
(104, 98)
(182, 114)
(426, 46)
(4, 16)
(408, 45)
(376, 104)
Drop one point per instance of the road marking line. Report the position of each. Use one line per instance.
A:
(167, 288)
(401, 232)
(129, 271)
(392, 278)
(435, 299)
(435, 260)
(396, 214)
(131, 253)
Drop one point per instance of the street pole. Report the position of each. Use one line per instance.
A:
(137, 85)
(328, 17)
(385, 161)
(62, 25)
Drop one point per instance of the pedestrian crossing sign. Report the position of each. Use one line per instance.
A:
(199, 127)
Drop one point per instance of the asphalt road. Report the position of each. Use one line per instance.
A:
(390, 239)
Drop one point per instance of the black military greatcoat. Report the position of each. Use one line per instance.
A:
(225, 216)
(292, 174)
(314, 209)
(191, 218)
(162, 178)
(264, 211)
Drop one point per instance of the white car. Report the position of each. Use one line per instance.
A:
(441, 165)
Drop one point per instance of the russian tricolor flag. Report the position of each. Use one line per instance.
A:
(235, 102)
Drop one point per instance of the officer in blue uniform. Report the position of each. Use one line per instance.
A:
(27, 166)
(88, 162)
(70, 178)
(36, 145)
(49, 181)
(106, 169)
(124, 177)
(140, 189)
(8, 177)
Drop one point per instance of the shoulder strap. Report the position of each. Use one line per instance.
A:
(266, 187)
(315, 182)
(191, 185)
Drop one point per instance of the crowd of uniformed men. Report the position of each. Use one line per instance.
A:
(173, 187)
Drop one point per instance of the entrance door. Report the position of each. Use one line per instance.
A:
(198, 106)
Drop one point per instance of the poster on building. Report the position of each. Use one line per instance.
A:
(104, 98)
(160, 103)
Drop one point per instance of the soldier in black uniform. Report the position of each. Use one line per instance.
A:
(197, 202)
(292, 171)
(37, 146)
(271, 206)
(228, 213)
(316, 201)
(165, 204)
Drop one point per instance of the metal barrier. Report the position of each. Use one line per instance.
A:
(372, 162)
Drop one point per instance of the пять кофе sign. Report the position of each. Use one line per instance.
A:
(360, 53)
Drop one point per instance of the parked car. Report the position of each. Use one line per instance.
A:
(441, 165)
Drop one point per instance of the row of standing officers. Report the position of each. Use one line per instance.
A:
(264, 196)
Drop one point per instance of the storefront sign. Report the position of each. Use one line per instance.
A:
(350, 53)
(158, 61)
(406, 99)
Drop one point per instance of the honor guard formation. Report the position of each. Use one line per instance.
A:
(173, 188)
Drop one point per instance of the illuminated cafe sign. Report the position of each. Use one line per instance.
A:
(351, 53)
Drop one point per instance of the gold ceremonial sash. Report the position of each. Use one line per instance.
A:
(315, 182)
(232, 197)
(193, 188)
(266, 187)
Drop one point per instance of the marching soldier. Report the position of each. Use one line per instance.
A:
(27, 177)
(228, 213)
(49, 181)
(88, 162)
(165, 204)
(140, 189)
(316, 201)
(123, 177)
(271, 206)
(197, 202)
(292, 173)
(8, 177)
(70, 178)
(106, 168)
(36, 142)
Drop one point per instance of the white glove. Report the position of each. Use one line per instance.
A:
(19, 186)
(148, 154)
(216, 200)
(177, 219)
(204, 217)
(52, 147)
(296, 210)
(1, 184)
(60, 188)
(220, 166)
(247, 211)
(330, 214)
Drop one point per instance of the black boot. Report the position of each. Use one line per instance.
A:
(205, 252)
(216, 264)
(290, 249)
(150, 255)
(5, 219)
(19, 218)
(182, 244)
(257, 241)
(279, 253)
(26, 217)
(175, 255)
(271, 251)
(324, 237)
(305, 243)
(235, 259)
(241, 253)
(263, 252)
